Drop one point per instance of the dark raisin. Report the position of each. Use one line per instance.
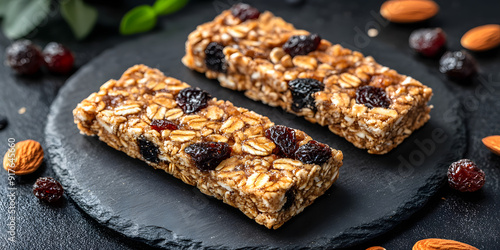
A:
(192, 99)
(3, 122)
(428, 42)
(302, 45)
(208, 155)
(458, 65)
(302, 92)
(372, 97)
(149, 150)
(313, 152)
(245, 12)
(163, 124)
(290, 199)
(58, 58)
(24, 57)
(214, 57)
(285, 140)
(47, 189)
(465, 176)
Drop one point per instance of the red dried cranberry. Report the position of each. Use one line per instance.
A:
(192, 99)
(58, 58)
(208, 155)
(428, 42)
(458, 65)
(163, 124)
(313, 152)
(47, 189)
(24, 57)
(302, 92)
(465, 176)
(245, 12)
(372, 97)
(149, 150)
(214, 57)
(302, 45)
(285, 140)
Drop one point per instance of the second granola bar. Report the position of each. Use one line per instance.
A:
(370, 105)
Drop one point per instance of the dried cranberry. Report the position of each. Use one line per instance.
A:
(302, 92)
(24, 57)
(149, 150)
(3, 122)
(58, 58)
(208, 155)
(192, 99)
(214, 57)
(290, 199)
(302, 45)
(245, 12)
(284, 138)
(313, 152)
(372, 97)
(458, 65)
(47, 189)
(465, 176)
(428, 42)
(163, 124)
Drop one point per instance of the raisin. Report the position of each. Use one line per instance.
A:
(48, 189)
(458, 65)
(313, 152)
(192, 99)
(290, 199)
(214, 57)
(24, 57)
(208, 155)
(58, 58)
(163, 124)
(245, 12)
(302, 92)
(428, 42)
(149, 150)
(285, 140)
(372, 97)
(302, 45)
(3, 122)
(465, 176)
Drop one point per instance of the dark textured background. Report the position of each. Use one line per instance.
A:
(471, 218)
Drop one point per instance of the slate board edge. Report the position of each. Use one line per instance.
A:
(164, 238)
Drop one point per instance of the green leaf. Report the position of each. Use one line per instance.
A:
(23, 16)
(165, 7)
(139, 19)
(3, 7)
(80, 17)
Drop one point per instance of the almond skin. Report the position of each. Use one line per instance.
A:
(441, 244)
(408, 11)
(376, 248)
(493, 143)
(27, 158)
(482, 38)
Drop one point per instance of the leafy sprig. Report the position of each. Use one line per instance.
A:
(143, 18)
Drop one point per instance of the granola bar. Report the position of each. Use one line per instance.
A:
(370, 105)
(228, 152)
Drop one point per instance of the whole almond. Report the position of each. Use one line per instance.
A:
(493, 143)
(24, 158)
(408, 11)
(441, 244)
(482, 38)
(376, 248)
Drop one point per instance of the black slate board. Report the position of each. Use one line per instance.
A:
(373, 193)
